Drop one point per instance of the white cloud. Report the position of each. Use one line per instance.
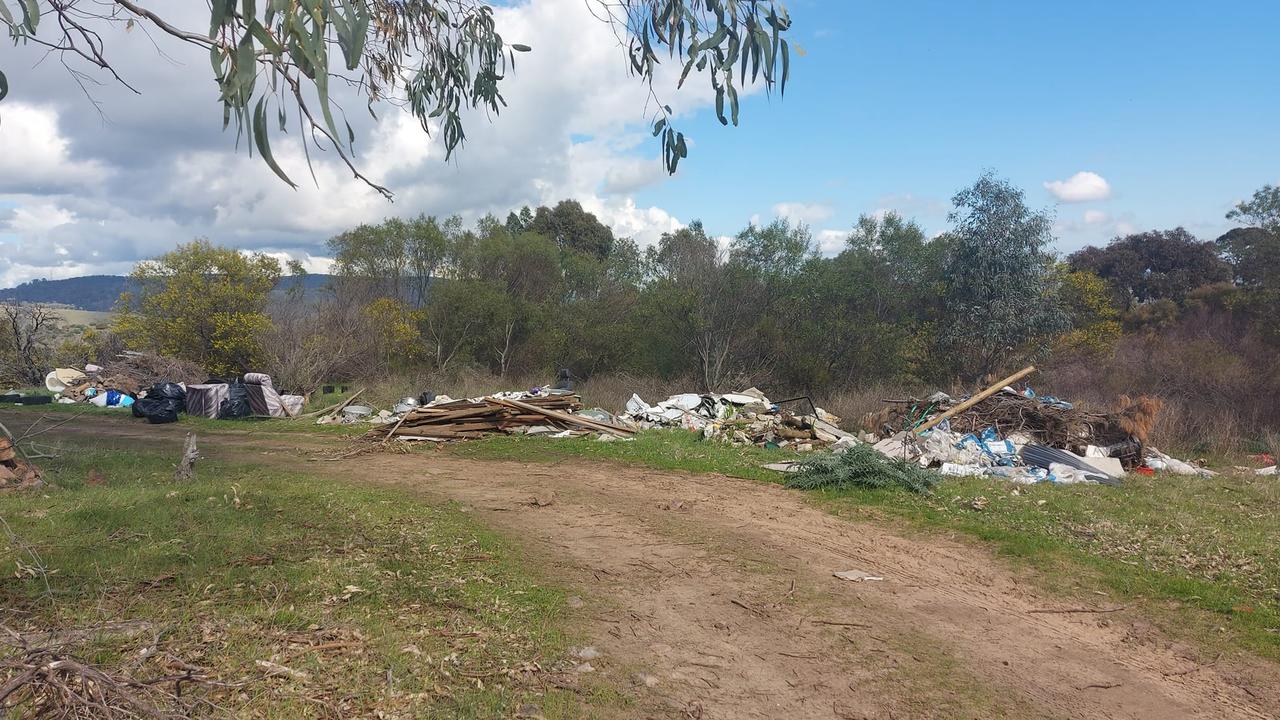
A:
(160, 173)
(310, 263)
(36, 156)
(1082, 187)
(37, 217)
(1095, 217)
(831, 242)
(803, 212)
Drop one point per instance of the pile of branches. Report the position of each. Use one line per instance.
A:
(466, 419)
(131, 371)
(44, 683)
(1045, 423)
(860, 466)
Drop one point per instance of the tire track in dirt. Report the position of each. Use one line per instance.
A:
(713, 597)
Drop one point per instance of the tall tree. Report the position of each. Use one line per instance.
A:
(1154, 265)
(202, 303)
(427, 246)
(572, 228)
(1262, 210)
(437, 59)
(1254, 251)
(375, 255)
(777, 250)
(1001, 297)
(26, 332)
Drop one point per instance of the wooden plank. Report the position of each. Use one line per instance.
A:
(573, 420)
(977, 398)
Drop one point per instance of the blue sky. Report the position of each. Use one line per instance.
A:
(898, 104)
(1153, 114)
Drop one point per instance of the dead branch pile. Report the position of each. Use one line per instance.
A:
(44, 683)
(465, 419)
(40, 679)
(1045, 423)
(131, 371)
(1124, 430)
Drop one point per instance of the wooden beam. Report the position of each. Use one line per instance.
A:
(976, 398)
(569, 419)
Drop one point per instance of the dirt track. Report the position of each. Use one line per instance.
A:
(714, 597)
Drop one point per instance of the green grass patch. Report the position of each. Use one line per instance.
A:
(273, 425)
(661, 449)
(1197, 553)
(387, 603)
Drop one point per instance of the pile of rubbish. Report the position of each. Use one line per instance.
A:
(539, 411)
(16, 473)
(127, 374)
(120, 385)
(742, 418)
(1024, 437)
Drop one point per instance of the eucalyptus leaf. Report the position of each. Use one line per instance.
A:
(264, 145)
(30, 14)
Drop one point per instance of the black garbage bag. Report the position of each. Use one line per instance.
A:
(156, 410)
(237, 403)
(162, 404)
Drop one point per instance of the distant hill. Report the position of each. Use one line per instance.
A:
(98, 293)
(91, 292)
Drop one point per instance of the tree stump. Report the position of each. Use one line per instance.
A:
(187, 465)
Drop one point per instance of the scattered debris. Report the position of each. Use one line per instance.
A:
(789, 466)
(743, 418)
(44, 682)
(587, 653)
(1023, 437)
(271, 669)
(16, 473)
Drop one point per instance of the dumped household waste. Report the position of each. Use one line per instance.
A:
(742, 418)
(15, 472)
(535, 412)
(206, 399)
(266, 401)
(161, 403)
(1024, 437)
(117, 385)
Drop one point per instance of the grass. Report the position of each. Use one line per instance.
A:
(391, 606)
(274, 425)
(661, 449)
(1197, 553)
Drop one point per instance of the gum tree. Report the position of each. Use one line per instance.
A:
(1001, 299)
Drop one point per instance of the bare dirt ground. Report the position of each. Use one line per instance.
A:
(711, 597)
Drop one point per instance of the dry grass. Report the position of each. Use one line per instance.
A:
(1208, 417)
